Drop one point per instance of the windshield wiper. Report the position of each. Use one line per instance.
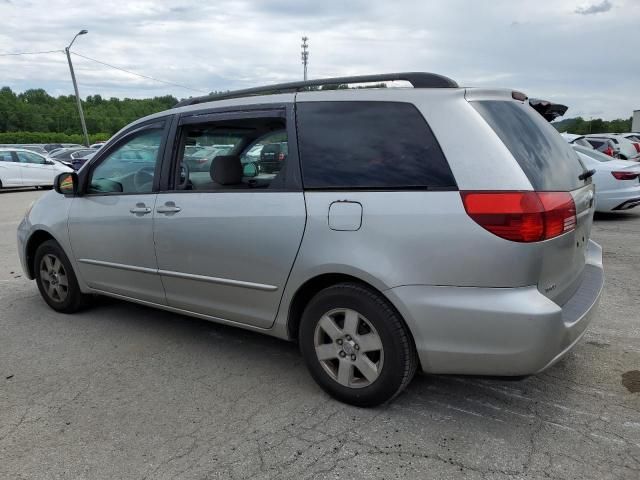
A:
(587, 174)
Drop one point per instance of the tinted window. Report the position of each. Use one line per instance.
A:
(369, 145)
(547, 160)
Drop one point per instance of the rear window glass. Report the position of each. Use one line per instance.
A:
(547, 160)
(369, 145)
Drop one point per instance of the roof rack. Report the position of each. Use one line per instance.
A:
(416, 79)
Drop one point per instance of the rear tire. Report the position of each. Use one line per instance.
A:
(356, 346)
(56, 279)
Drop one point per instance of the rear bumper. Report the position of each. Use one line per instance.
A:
(497, 331)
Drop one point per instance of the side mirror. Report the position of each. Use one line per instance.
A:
(49, 162)
(250, 170)
(66, 183)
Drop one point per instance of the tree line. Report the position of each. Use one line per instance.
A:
(34, 116)
(580, 126)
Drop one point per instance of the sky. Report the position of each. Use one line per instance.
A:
(583, 54)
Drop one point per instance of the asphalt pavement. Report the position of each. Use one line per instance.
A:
(125, 391)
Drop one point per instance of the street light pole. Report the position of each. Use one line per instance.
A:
(75, 87)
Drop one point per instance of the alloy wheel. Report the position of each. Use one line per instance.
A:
(54, 278)
(349, 348)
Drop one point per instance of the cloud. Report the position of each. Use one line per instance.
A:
(531, 46)
(602, 7)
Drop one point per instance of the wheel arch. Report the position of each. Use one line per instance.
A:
(37, 238)
(312, 286)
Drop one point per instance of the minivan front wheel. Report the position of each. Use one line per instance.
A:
(56, 279)
(356, 346)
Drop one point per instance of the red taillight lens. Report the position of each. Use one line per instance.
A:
(608, 151)
(522, 216)
(625, 175)
(637, 145)
(281, 157)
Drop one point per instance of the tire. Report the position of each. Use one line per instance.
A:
(356, 346)
(53, 270)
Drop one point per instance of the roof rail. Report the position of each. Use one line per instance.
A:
(416, 79)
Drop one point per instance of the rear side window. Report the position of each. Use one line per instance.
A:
(369, 145)
(547, 160)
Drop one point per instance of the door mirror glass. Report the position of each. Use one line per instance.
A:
(250, 169)
(66, 183)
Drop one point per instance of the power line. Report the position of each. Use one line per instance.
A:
(28, 53)
(139, 74)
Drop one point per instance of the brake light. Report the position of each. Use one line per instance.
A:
(522, 216)
(625, 175)
(281, 157)
(637, 146)
(609, 151)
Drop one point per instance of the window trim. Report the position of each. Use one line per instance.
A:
(286, 111)
(399, 188)
(160, 124)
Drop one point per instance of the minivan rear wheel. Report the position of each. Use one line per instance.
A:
(56, 279)
(356, 346)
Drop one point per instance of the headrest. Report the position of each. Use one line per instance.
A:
(226, 170)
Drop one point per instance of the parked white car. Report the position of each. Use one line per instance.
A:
(617, 181)
(628, 151)
(24, 168)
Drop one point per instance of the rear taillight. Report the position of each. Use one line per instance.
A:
(625, 175)
(281, 157)
(637, 146)
(522, 216)
(608, 151)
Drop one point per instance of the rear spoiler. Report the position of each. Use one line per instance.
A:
(550, 111)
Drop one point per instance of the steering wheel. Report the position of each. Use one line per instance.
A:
(183, 179)
(143, 178)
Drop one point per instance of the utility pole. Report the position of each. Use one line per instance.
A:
(305, 55)
(75, 87)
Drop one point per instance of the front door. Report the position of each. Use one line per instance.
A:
(111, 224)
(228, 233)
(10, 170)
(35, 170)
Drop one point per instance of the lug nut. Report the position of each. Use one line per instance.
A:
(342, 354)
(339, 342)
(348, 337)
(353, 357)
(356, 346)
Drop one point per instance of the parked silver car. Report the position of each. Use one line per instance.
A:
(382, 243)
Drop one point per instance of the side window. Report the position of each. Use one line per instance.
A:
(379, 145)
(232, 154)
(6, 157)
(129, 168)
(28, 157)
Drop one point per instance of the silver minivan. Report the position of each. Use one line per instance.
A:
(437, 228)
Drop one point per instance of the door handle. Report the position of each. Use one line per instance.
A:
(168, 208)
(140, 209)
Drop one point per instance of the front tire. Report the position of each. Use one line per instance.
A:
(56, 279)
(356, 346)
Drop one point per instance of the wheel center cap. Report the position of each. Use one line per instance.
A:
(348, 348)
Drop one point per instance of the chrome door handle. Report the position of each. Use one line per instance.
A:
(168, 208)
(140, 209)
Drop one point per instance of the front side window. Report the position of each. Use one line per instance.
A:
(28, 157)
(369, 145)
(233, 155)
(131, 167)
